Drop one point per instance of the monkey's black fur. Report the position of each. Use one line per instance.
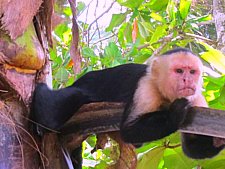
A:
(53, 108)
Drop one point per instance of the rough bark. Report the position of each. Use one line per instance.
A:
(219, 19)
(24, 39)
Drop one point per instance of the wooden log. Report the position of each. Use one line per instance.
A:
(106, 117)
(205, 121)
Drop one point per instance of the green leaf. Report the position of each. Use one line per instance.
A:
(201, 19)
(124, 34)
(184, 8)
(112, 51)
(130, 3)
(151, 159)
(61, 75)
(171, 10)
(222, 96)
(88, 52)
(159, 32)
(80, 7)
(117, 19)
(156, 6)
(143, 30)
(67, 11)
(175, 159)
(214, 57)
(157, 17)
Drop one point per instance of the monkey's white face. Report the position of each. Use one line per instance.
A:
(182, 77)
(187, 80)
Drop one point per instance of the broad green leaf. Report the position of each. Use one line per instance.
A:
(148, 26)
(214, 57)
(222, 96)
(159, 32)
(112, 51)
(92, 140)
(218, 162)
(201, 19)
(151, 159)
(61, 75)
(117, 19)
(143, 30)
(184, 8)
(124, 34)
(157, 17)
(130, 3)
(80, 7)
(67, 11)
(60, 29)
(67, 35)
(171, 10)
(156, 6)
(88, 52)
(175, 159)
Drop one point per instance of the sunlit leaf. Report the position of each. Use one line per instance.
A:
(67, 11)
(88, 52)
(117, 19)
(67, 36)
(151, 159)
(201, 19)
(143, 30)
(222, 96)
(128, 32)
(156, 6)
(214, 57)
(62, 75)
(112, 50)
(171, 10)
(157, 17)
(130, 3)
(174, 158)
(184, 8)
(159, 32)
(218, 162)
(80, 7)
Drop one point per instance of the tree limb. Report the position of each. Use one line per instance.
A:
(106, 117)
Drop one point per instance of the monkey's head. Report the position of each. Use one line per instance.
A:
(177, 74)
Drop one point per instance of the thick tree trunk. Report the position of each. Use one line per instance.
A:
(219, 18)
(25, 33)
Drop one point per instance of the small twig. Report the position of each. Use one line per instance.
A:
(90, 25)
(167, 38)
(103, 39)
(200, 37)
(167, 145)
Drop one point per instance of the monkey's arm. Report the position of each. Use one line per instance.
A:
(155, 125)
(199, 146)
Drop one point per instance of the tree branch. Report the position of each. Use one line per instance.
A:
(96, 118)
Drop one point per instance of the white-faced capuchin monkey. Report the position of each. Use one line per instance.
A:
(158, 96)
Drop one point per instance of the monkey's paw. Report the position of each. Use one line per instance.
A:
(178, 110)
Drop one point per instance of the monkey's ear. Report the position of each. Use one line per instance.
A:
(154, 65)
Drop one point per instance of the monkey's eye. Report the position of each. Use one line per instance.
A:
(179, 71)
(192, 71)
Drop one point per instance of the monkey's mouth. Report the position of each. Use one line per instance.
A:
(186, 91)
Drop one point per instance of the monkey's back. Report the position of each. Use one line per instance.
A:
(115, 84)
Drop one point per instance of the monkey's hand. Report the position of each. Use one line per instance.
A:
(178, 111)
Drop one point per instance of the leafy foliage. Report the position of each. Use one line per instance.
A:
(141, 29)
